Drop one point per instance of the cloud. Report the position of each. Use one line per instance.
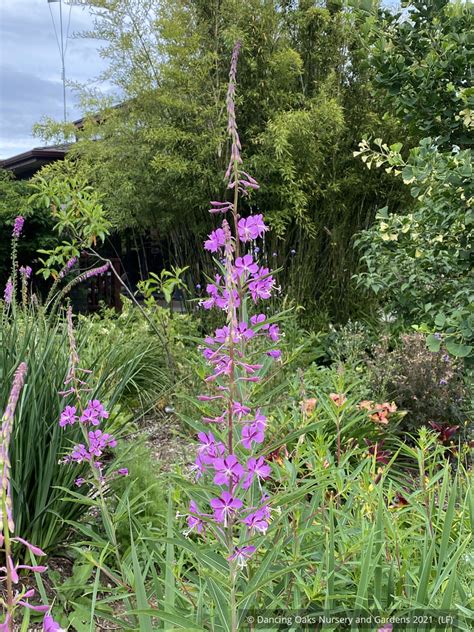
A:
(30, 68)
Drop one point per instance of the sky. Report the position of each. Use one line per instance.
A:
(30, 68)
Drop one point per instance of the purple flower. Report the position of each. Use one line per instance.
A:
(274, 353)
(79, 454)
(251, 228)
(97, 407)
(195, 522)
(242, 554)
(274, 333)
(228, 471)
(50, 625)
(18, 226)
(257, 521)
(258, 319)
(209, 449)
(25, 272)
(68, 267)
(31, 547)
(221, 334)
(99, 441)
(240, 409)
(245, 266)
(247, 182)
(90, 416)
(198, 467)
(25, 604)
(8, 293)
(215, 240)
(93, 272)
(79, 481)
(261, 285)
(68, 416)
(443, 381)
(221, 207)
(256, 468)
(225, 506)
(252, 434)
(244, 331)
(123, 471)
(260, 419)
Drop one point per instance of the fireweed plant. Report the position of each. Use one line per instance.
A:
(89, 414)
(16, 596)
(228, 453)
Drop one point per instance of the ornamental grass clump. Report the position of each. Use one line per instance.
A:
(229, 459)
(16, 596)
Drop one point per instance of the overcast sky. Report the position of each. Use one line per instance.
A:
(30, 68)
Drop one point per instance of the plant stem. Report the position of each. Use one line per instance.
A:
(233, 604)
(7, 549)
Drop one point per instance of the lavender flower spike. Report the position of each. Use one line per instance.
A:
(94, 272)
(18, 226)
(8, 293)
(68, 267)
(25, 272)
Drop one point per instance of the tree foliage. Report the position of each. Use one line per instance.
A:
(423, 62)
(305, 99)
(14, 196)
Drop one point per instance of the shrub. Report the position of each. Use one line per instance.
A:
(428, 385)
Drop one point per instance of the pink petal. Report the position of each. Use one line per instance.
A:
(34, 549)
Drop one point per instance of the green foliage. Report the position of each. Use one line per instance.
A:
(14, 195)
(419, 263)
(166, 283)
(76, 210)
(423, 63)
(39, 478)
(324, 545)
(427, 384)
(305, 93)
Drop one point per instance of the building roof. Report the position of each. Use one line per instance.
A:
(26, 164)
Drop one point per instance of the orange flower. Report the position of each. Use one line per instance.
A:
(392, 408)
(378, 412)
(338, 398)
(308, 405)
(380, 417)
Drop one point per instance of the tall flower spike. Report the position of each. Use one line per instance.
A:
(18, 226)
(7, 425)
(8, 293)
(223, 458)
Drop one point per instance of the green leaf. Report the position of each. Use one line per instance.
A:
(433, 343)
(221, 599)
(140, 591)
(457, 349)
